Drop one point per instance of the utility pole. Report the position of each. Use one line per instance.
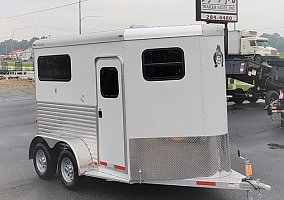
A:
(85, 18)
(12, 49)
(80, 16)
(11, 45)
(6, 48)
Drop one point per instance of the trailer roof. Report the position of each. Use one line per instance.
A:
(130, 34)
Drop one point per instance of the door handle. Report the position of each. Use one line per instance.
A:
(100, 113)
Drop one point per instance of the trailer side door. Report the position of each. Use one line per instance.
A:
(110, 113)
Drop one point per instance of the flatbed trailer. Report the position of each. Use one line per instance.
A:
(262, 77)
(277, 76)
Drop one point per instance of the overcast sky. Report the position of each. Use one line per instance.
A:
(261, 15)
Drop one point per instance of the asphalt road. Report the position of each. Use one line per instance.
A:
(251, 131)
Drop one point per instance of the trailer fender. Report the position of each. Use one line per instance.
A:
(34, 142)
(77, 146)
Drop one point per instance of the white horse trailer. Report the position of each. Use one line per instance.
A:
(140, 105)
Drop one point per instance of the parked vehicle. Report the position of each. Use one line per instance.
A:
(246, 44)
(7, 57)
(140, 105)
(266, 80)
(23, 59)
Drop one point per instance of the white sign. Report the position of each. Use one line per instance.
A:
(217, 10)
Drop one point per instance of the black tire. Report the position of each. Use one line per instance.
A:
(271, 96)
(68, 171)
(238, 101)
(238, 97)
(254, 97)
(258, 58)
(44, 162)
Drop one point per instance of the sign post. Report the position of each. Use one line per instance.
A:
(4, 67)
(218, 11)
(18, 66)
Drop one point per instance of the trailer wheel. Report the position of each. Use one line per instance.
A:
(270, 97)
(44, 162)
(238, 97)
(254, 97)
(258, 58)
(68, 171)
(238, 101)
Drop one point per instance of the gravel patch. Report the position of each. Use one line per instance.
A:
(14, 90)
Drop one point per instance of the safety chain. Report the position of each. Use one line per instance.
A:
(250, 195)
(259, 195)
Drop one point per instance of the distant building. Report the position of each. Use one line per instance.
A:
(16, 53)
(28, 53)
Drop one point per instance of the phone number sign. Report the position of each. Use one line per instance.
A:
(218, 11)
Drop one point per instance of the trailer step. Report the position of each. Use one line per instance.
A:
(106, 176)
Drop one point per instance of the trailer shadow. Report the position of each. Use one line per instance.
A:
(113, 190)
(102, 190)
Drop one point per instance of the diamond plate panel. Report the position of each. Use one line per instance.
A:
(179, 158)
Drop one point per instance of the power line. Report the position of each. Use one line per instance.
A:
(40, 11)
(35, 24)
(44, 10)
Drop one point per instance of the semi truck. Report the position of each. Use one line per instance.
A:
(246, 44)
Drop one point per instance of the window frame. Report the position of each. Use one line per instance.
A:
(109, 96)
(68, 79)
(165, 78)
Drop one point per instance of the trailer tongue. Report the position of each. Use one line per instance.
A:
(223, 180)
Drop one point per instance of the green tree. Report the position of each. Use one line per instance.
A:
(5, 46)
(276, 40)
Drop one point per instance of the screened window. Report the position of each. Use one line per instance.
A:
(109, 82)
(163, 64)
(54, 68)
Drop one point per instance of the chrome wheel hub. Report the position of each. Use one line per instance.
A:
(41, 161)
(67, 170)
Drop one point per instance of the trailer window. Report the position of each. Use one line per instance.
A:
(109, 82)
(163, 64)
(54, 68)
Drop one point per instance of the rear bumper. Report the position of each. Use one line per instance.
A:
(270, 58)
